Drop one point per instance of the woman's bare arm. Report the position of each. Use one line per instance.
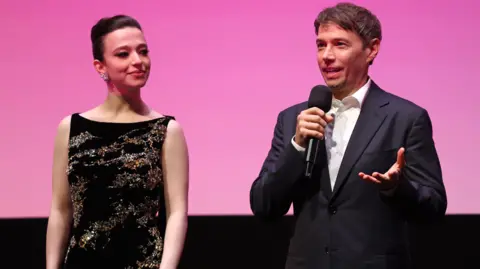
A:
(176, 170)
(61, 207)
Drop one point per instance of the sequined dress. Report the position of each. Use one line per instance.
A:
(116, 187)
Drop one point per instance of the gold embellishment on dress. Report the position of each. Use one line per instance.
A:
(152, 260)
(154, 177)
(134, 163)
(72, 244)
(80, 139)
(77, 191)
(86, 238)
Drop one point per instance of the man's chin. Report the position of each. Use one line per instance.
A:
(335, 84)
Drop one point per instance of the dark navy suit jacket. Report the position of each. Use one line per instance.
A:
(356, 225)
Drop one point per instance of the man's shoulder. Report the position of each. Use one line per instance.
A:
(403, 105)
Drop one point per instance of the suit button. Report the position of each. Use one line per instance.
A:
(326, 250)
(332, 210)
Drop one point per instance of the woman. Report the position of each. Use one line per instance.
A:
(120, 171)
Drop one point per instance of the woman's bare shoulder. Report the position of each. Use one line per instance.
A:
(63, 130)
(65, 123)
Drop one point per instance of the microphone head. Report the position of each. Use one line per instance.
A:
(321, 97)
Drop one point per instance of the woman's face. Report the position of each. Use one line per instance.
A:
(126, 60)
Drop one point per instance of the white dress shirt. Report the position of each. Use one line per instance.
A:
(337, 133)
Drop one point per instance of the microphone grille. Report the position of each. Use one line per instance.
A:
(321, 97)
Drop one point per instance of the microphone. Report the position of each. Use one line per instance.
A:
(321, 97)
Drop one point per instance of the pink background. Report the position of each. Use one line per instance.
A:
(237, 64)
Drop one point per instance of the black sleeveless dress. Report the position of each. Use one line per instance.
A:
(116, 187)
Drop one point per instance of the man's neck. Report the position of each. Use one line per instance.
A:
(342, 93)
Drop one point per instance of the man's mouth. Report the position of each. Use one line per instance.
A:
(332, 72)
(332, 69)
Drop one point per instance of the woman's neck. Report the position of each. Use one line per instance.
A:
(120, 102)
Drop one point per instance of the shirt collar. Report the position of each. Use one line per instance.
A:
(354, 100)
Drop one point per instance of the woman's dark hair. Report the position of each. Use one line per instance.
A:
(105, 26)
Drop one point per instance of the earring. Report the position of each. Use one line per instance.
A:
(104, 76)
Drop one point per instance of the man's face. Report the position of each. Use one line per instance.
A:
(343, 58)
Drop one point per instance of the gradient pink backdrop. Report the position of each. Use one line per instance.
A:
(237, 64)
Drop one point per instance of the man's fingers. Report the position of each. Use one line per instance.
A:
(315, 114)
(401, 157)
(314, 119)
(329, 118)
(369, 178)
(392, 173)
(312, 126)
(376, 177)
(380, 176)
(316, 111)
(311, 133)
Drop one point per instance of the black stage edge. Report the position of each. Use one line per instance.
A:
(245, 242)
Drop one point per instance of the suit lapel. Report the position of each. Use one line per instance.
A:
(369, 121)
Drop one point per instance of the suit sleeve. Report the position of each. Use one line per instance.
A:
(272, 192)
(420, 193)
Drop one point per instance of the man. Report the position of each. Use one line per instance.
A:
(377, 168)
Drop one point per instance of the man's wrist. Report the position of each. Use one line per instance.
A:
(296, 145)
